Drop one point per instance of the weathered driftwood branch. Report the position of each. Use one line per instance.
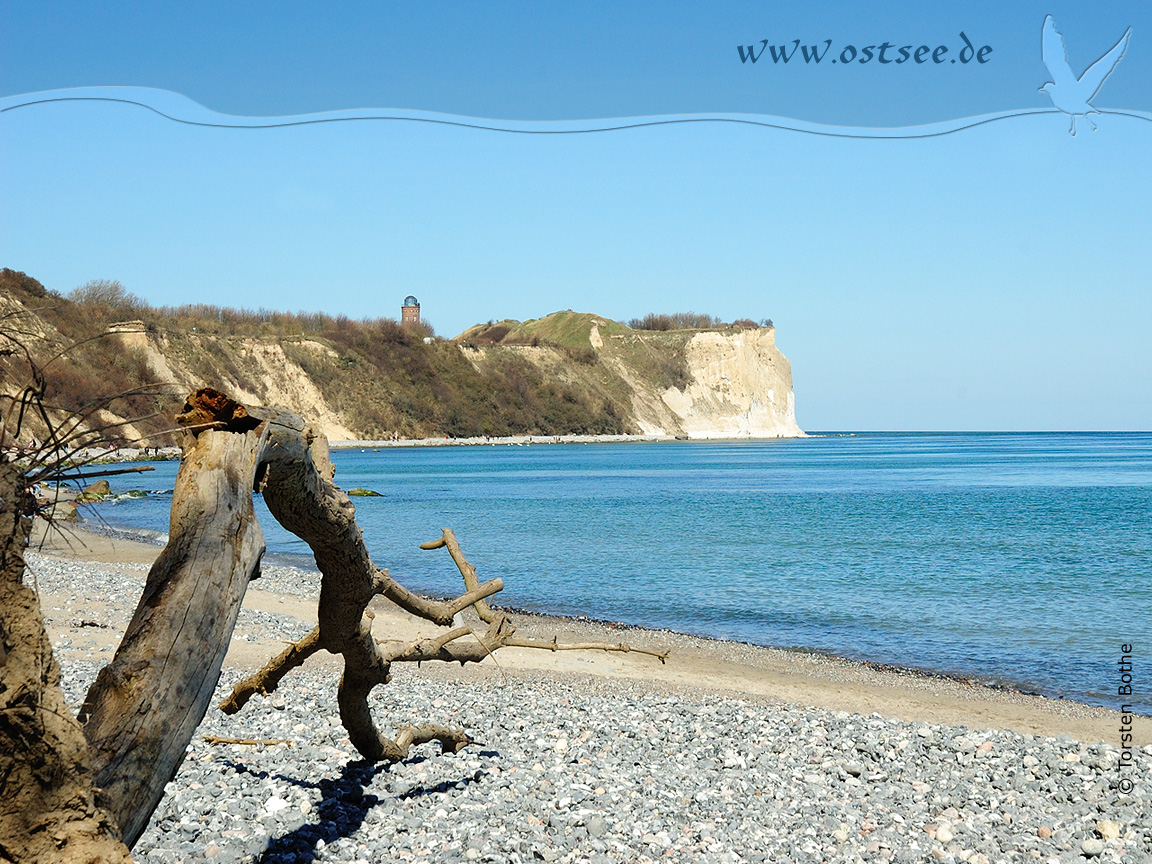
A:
(145, 705)
(433, 610)
(376, 658)
(467, 571)
(267, 742)
(267, 679)
(447, 647)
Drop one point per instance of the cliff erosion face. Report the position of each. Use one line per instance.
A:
(256, 372)
(741, 387)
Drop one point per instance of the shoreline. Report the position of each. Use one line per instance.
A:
(493, 441)
(120, 455)
(143, 546)
(795, 676)
(527, 440)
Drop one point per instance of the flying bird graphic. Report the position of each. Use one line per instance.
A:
(1070, 94)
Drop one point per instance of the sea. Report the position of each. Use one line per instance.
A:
(1018, 559)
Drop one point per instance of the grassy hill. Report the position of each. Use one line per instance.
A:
(566, 329)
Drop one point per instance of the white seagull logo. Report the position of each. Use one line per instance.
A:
(1069, 93)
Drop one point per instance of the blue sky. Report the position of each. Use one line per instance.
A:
(994, 278)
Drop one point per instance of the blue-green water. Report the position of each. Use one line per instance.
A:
(1022, 558)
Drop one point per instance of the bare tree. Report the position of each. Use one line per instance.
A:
(107, 293)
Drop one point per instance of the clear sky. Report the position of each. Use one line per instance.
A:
(992, 278)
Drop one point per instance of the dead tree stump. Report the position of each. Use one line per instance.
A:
(47, 808)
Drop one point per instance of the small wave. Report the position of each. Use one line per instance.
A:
(138, 535)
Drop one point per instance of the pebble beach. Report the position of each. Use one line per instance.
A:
(616, 758)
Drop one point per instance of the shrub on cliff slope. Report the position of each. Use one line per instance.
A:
(675, 321)
(81, 366)
(692, 321)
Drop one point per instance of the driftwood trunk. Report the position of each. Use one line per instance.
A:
(47, 809)
(145, 705)
(299, 492)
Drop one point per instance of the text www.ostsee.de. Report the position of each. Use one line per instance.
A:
(884, 54)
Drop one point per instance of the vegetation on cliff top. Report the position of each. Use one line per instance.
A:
(381, 378)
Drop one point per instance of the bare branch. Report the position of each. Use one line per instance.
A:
(448, 538)
(422, 649)
(268, 678)
(267, 742)
(441, 613)
(111, 472)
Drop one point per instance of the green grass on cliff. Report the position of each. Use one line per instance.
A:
(566, 329)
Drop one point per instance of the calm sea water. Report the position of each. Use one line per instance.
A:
(1019, 558)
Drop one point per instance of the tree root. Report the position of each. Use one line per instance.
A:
(451, 740)
(447, 647)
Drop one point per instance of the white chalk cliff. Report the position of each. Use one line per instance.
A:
(738, 385)
(741, 388)
(729, 382)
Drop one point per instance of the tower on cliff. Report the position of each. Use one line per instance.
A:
(410, 311)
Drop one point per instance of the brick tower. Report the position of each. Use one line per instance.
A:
(410, 311)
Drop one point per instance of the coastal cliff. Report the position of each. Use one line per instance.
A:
(730, 382)
(740, 386)
(566, 373)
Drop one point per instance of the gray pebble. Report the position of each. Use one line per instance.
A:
(1092, 847)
